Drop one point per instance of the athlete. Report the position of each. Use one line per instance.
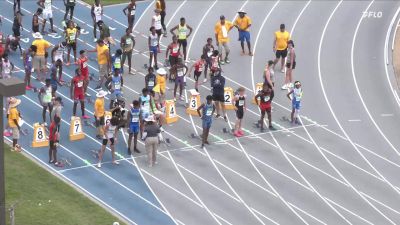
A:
(131, 7)
(35, 20)
(160, 5)
(207, 110)
(215, 62)
(290, 66)
(116, 82)
(156, 23)
(243, 23)
(240, 108)
(173, 50)
(84, 69)
(127, 45)
(221, 31)
(266, 96)
(218, 91)
(150, 80)
(116, 62)
(54, 137)
(77, 93)
(208, 50)
(105, 34)
(27, 58)
(180, 70)
(279, 45)
(17, 24)
(96, 12)
(12, 43)
(110, 136)
(17, 5)
(45, 99)
(72, 34)
(183, 34)
(69, 7)
(144, 101)
(134, 118)
(296, 94)
(55, 76)
(269, 74)
(6, 67)
(198, 69)
(57, 53)
(47, 14)
(154, 46)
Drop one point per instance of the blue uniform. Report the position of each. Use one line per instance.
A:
(145, 106)
(116, 86)
(207, 115)
(53, 77)
(134, 123)
(296, 98)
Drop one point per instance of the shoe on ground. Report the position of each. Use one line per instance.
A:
(86, 117)
(222, 62)
(236, 134)
(136, 150)
(284, 87)
(87, 94)
(28, 88)
(95, 40)
(226, 119)
(98, 88)
(205, 80)
(115, 163)
(99, 136)
(129, 152)
(202, 145)
(174, 99)
(241, 132)
(282, 70)
(227, 61)
(271, 128)
(98, 165)
(44, 124)
(7, 133)
(162, 129)
(291, 85)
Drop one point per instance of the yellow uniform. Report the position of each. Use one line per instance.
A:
(99, 107)
(281, 40)
(102, 54)
(71, 34)
(161, 81)
(41, 46)
(222, 31)
(14, 115)
(243, 23)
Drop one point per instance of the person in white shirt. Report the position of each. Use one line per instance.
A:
(47, 14)
(96, 12)
(156, 22)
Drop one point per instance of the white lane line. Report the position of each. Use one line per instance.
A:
(367, 110)
(252, 81)
(68, 180)
(334, 116)
(354, 120)
(395, 31)
(387, 114)
(361, 218)
(273, 137)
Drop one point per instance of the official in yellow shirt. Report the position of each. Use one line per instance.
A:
(99, 112)
(13, 119)
(243, 23)
(161, 82)
(103, 59)
(280, 45)
(221, 31)
(39, 60)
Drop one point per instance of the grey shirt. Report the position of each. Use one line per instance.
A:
(56, 111)
(152, 130)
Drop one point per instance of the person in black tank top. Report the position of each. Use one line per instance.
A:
(240, 107)
(17, 24)
(35, 20)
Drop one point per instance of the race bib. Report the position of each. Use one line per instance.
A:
(209, 53)
(80, 84)
(209, 112)
(135, 119)
(133, 12)
(266, 98)
(175, 49)
(180, 73)
(84, 65)
(128, 41)
(117, 86)
(151, 83)
(241, 102)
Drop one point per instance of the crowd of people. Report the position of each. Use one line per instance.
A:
(143, 118)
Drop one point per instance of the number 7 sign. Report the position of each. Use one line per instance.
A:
(75, 130)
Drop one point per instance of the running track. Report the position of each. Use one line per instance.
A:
(339, 168)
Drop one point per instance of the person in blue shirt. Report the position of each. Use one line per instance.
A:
(134, 117)
(55, 74)
(115, 84)
(295, 96)
(205, 111)
(145, 109)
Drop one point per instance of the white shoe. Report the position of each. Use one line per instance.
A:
(284, 87)
(283, 70)
(162, 129)
(115, 163)
(44, 124)
(98, 165)
(174, 99)
(87, 94)
(205, 80)
(95, 40)
(290, 85)
(182, 98)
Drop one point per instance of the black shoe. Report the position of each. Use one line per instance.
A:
(206, 142)
(99, 137)
(129, 152)
(271, 128)
(136, 150)
(226, 119)
(202, 145)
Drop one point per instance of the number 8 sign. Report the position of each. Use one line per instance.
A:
(39, 136)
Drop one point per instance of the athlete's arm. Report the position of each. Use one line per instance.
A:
(274, 44)
(166, 52)
(190, 30)
(40, 95)
(186, 70)
(256, 97)
(198, 109)
(122, 81)
(52, 53)
(92, 12)
(272, 94)
(71, 89)
(288, 94)
(124, 10)
(173, 29)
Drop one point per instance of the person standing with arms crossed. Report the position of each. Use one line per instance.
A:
(183, 34)
(160, 5)
(279, 46)
(127, 45)
(131, 14)
(96, 12)
(221, 31)
(243, 23)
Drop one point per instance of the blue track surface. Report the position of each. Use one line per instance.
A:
(120, 188)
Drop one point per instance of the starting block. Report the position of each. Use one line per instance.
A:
(75, 130)
(194, 103)
(39, 136)
(227, 131)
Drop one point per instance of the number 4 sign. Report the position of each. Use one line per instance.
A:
(39, 136)
(75, 130)
(170, 116)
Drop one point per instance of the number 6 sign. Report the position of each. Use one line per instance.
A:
(75, 130)
(39, 136)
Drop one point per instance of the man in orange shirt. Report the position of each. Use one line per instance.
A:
(243, 23)
(221, 30)
(280, 45)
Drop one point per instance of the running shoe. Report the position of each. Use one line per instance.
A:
(282, 70)
(226, 119)
(129, 152)
(87, 94)
(205, 80)
(85, 117)
(290, 85)
(136, 150)
(7, 133)
(95, 40)
(182, 98)
(98, 165)
(59, 164)
(271, 128)
(44, 124)
(206, 142)
(68, 63)
(236, 134)
(28, 88)
(174, 99)
(115, 163)
(222, 62)
(162, 129)
(99, 137)
(227, 61)
(241, 132)
(285, 87)
(98, 88)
